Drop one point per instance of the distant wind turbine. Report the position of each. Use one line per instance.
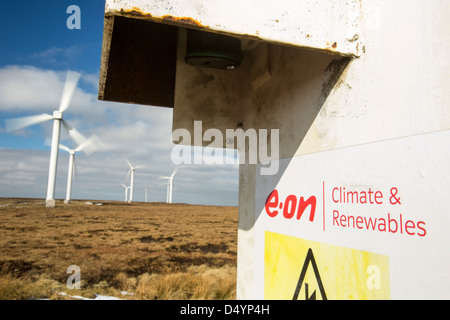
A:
(131, 173)
(170, 185)
(57, 117)
(146, 192)
(88, 147)
(126, 192)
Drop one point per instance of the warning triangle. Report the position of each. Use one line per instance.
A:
(301, 281)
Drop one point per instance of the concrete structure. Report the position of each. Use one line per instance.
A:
(359, 91)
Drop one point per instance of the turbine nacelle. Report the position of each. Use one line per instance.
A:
(57, 115)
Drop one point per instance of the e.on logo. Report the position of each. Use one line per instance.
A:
(291, 206)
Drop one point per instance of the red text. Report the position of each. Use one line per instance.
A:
(389, 224)
(290, 207)
(340, 195)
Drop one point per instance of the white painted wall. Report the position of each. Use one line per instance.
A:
(398, 88)
(395, 84)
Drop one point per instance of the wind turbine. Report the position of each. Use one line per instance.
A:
(57, 117)
(131, 172)
(88, 147)
(170, 185)
(146, 192)
(126, 192)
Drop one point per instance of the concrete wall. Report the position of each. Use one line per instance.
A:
(398, 87)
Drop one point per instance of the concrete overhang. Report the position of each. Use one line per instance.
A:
(140, 37)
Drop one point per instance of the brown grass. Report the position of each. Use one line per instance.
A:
(149, 250)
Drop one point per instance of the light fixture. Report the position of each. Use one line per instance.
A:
(210, 50)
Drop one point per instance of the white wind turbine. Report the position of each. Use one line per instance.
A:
(88, 147)
(57, 117)
(126, 192)
(131, 172)
(146, 192)
(170, 185)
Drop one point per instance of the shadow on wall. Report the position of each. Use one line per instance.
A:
(301, 81)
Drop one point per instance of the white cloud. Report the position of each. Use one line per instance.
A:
(29, 89)
(140, 133)
(91, 80)
(55, 55)
(22, 172)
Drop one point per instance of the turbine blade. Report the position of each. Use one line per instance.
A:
(69, 88)
(19, 123)
(141, 166)
(63, 147)
(175, 171)
(88, 146)
(128, 162)
(48, 142)
(128, 174)
(74, 133)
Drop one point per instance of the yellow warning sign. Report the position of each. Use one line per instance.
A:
(296, 268)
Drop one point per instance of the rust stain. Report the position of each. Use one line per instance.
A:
(135, 12)
(184, 20)
(332, 48)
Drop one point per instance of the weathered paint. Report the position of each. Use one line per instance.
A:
(310, 24)
(182, 20)
(250, 96)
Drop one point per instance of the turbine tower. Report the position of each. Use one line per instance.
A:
(131, 173)
(146, 192)
(170, 185)
(57, 117)
(88, 147)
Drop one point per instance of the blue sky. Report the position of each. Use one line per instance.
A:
(36, 50)
(35, 32)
